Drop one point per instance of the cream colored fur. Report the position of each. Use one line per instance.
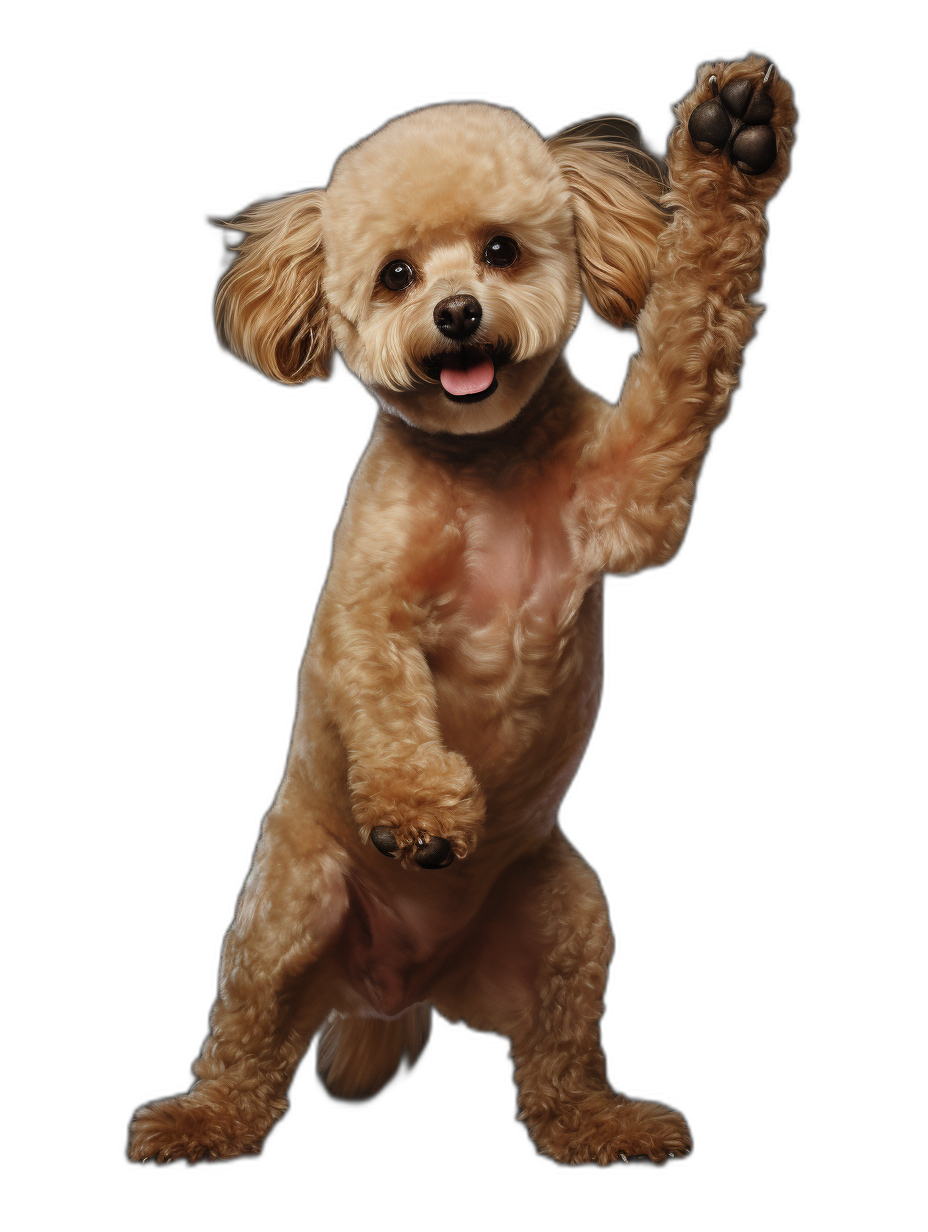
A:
(453, 673)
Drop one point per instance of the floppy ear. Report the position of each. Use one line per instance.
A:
(615, 190)
(270, 309)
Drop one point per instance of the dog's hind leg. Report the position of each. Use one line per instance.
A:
(538, 974)
(273, 995)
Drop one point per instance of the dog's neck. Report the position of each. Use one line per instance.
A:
(544, 421)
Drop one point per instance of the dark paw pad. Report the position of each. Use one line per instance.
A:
(436, 853)
(737, 122)
(433, 852)
(384, 840)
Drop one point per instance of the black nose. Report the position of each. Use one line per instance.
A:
(458, 316)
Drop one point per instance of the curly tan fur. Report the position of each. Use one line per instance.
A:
(618, 220)
(453, 672)
(270, 309)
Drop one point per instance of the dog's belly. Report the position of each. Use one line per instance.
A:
(394, 946)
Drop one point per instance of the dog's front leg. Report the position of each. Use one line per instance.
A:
(415, 799)
(634, 499)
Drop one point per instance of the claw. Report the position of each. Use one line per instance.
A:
(768, 76)
(624, 1158)
(714, 84)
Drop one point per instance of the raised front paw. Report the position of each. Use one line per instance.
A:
(736, 122)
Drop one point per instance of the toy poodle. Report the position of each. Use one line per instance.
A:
(412, 856)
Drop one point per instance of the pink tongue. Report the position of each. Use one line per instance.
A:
(468, 380)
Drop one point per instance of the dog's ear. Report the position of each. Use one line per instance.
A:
(615, 191)
(270, 309)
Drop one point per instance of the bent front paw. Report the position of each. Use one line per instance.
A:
(426, 812)
(429, 851)
(426, 835)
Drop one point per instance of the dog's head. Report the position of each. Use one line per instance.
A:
(446, 261)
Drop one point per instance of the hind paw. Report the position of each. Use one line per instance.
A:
(204, 1124)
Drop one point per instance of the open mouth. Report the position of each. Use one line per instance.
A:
(469, 374)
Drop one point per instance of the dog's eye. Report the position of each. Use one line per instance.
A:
(501, 251)
(397, 276)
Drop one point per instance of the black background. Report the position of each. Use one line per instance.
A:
(208, 541)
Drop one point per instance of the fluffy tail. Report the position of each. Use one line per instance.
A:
(358, 1056)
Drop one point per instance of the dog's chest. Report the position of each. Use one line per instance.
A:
(511, 656)
(517, 567)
